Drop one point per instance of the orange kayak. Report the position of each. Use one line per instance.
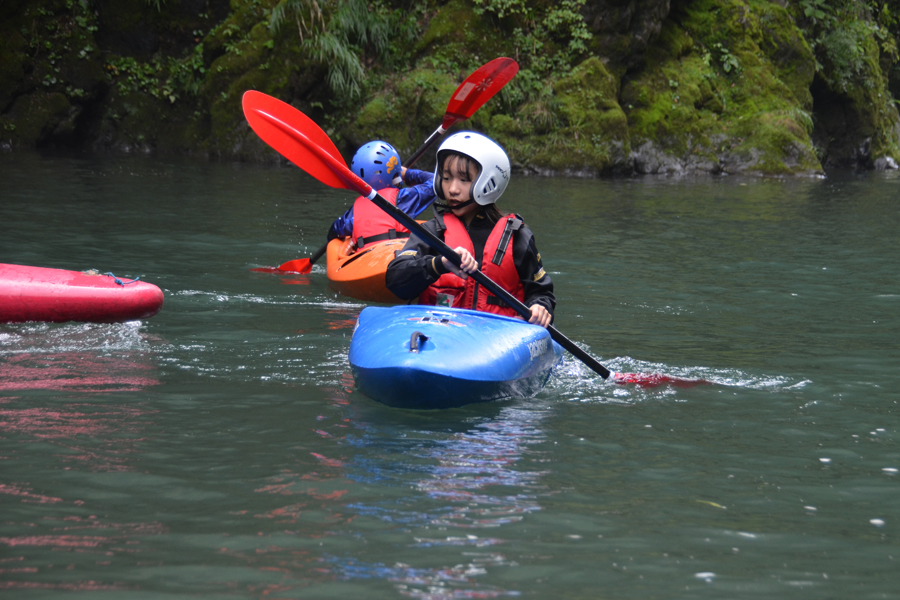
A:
(361, 275)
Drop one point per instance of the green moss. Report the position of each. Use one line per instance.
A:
(853, 72)
(721, 99)
(579, 129)
(785, 47)
(14, 61)
(37, 117)
(405, 112)
(505, 125)
(456, 38)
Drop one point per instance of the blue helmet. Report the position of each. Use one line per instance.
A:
(377, 163)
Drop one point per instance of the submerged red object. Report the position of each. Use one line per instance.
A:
(56, 295)
(656, 380)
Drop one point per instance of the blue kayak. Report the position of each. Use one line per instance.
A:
(430, 357)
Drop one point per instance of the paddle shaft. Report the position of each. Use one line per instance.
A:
(447, 252)
(318, 254)
(425, 146)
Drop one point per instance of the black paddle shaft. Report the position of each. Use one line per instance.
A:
(425, 146)
(318, 254)
(444, 250)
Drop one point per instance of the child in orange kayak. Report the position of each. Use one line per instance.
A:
(472, 173)
(378, 164)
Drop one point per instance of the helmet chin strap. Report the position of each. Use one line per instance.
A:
(445, 206)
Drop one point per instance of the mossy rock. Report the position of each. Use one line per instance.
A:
(587, 101)
(711, 98)
(857, 118)
(457, 39)
(14, 64)
(409, 108)
(580, 130)
(49, 64)
(36, 119)
(251, 64)
(788, 51)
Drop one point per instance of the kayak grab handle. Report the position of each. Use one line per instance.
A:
(414, 342)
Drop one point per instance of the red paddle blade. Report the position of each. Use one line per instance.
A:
(296, 137)
(478, 88)
(299, 265)
(656, 380)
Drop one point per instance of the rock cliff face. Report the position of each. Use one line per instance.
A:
(605, 86)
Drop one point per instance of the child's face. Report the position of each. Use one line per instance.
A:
(456, 182)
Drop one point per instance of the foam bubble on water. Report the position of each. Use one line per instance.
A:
(706, 576)
(811, 508)
(825, 461)
(890, 470)
(877, 522)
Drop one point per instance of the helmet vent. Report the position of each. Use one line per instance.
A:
(489, 186)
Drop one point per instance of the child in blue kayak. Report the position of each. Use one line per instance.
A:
(378, 164)
(472, 173)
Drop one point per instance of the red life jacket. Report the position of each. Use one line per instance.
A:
(497, 263)
(371, 224)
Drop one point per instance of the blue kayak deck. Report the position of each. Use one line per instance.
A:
(429, 357)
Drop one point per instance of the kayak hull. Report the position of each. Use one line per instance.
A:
(57, 295)
(360, 275)
(426, 357)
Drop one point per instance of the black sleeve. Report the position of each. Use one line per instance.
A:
(537, 284)
(415, 267)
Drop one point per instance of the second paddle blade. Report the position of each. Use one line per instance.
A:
(656, 380)
(300, 265)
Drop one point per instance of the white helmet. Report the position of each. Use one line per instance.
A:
(494, 176)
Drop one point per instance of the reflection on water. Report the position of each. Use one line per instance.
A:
(59, 542)
(371, 474)
(86, 358)
(84, 363)
(450, 493)
(76, 372)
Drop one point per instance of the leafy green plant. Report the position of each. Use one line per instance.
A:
(346, 36)
(158, 4)
(845, 48)
(549, 37)
(307, 14)
(728, 60)
(187, 73)
(815, 9)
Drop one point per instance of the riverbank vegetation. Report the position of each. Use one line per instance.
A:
(604, 87)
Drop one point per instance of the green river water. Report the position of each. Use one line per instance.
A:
(219, 449)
